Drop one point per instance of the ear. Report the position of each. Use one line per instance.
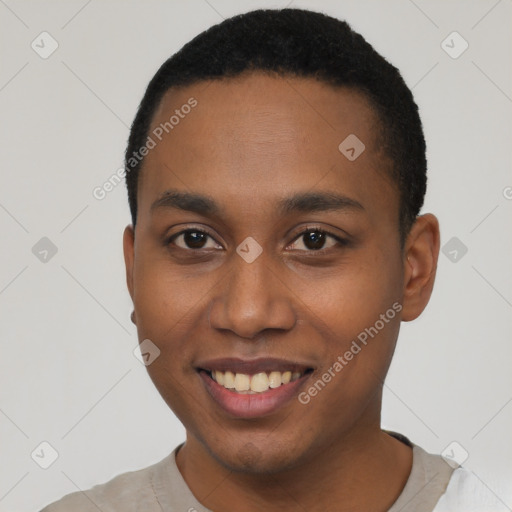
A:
(129, 255)
(421, 252)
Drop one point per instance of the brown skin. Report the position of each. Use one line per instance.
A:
(250, 142)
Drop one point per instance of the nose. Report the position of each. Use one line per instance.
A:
(252, 299)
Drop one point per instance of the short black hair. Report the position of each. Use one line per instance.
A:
(305, 44)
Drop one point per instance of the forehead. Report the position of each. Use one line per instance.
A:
(261, 136)
(258, 99)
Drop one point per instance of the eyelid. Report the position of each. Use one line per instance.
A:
(303, 230)
(170, 238)
(310, 228)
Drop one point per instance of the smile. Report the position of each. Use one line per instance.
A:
(252, 389)
(258, 383)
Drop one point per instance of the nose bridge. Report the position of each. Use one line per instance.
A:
(252, 299)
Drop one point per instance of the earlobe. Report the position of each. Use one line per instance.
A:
(420, 265)
(129, 256)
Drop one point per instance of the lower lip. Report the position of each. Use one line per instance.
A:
(242, 405)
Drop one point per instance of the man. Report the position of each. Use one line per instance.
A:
(276, 170)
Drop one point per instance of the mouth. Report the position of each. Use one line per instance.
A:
(252, 384)
(249, 389)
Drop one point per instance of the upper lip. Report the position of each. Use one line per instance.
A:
(252, 366)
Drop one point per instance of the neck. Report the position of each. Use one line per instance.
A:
(366, 470)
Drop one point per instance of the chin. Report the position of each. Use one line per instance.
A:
(252, 457)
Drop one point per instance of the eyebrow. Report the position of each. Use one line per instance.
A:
(302, 202)
(188, 201)
(318, 202)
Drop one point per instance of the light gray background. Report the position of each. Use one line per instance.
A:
(68, 374)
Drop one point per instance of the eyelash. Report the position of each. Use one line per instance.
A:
(342, 242)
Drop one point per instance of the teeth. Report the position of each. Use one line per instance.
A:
(219, 377)
(229, 380)
(258, 383)
(242, 382)
(274, 379)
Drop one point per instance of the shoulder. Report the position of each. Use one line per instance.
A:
(128, 492)
(468, 493)
(427, 482)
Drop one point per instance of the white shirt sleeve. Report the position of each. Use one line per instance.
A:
(467, 493)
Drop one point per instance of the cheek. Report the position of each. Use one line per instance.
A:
(170, 307)
(358, 316)
(165, 291)
(353, 296)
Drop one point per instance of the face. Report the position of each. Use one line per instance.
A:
(261, 257)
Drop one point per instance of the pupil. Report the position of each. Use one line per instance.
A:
(314, 240)
(194, 239)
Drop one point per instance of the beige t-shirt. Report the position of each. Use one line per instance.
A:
(161, 488)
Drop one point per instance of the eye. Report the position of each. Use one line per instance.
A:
(193, 239)
(316, 239)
